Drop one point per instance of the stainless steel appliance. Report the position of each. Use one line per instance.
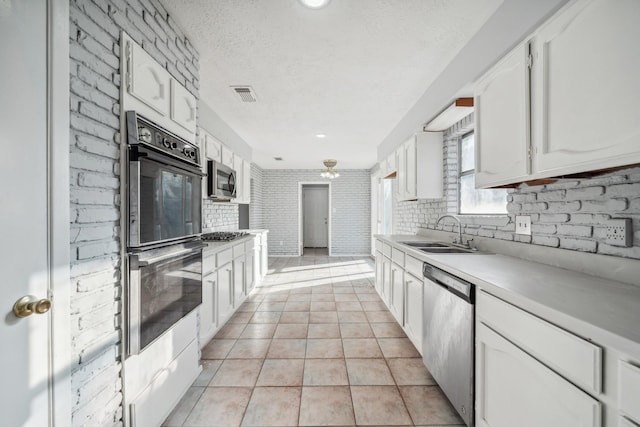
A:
(165, 284)
(165, 184)
(164, 228)
(221, 181)
(448, 336)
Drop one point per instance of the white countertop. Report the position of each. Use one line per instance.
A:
(605, 311)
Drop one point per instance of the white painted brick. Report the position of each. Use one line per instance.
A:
(543, 229)
(554, 242)
(585, 193)
(578, 244)
(92, 196)
(95, 215)
(564, 206)
(554, 218)
(551, 195)
(611, 205)
(97, 146)
(575, 230)
(97, 180)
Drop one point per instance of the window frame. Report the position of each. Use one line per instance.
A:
(468, 172)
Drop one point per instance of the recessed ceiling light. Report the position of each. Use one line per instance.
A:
(321, 135)
(315, 4)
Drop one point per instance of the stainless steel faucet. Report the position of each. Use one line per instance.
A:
(459, 242)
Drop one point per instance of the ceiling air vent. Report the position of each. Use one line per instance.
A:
(246, 93)
(277, 159)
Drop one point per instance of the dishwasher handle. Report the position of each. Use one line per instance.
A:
(453, 284)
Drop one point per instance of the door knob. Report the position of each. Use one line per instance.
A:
(28, 305)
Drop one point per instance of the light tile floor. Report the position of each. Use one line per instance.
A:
(313, 345)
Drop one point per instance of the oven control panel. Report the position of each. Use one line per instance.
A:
(142, 131)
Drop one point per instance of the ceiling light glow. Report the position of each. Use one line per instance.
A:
(315, 4)
(321, 135)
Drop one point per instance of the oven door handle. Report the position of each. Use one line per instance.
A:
(153, 260)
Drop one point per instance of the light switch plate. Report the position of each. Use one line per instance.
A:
(619, 232)
(523, 225)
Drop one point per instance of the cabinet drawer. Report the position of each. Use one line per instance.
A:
(224, 257)
(379, 245)
(573, 357)
(397, 256)
(629, 402)
(238, 250)
(386, 250)
(208, 263)
(413, 266)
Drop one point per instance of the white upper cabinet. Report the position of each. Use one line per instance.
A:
(572, 107)
(585, 86)
(183, 106)
(420, 167)
(227, 157)
(149, 89)
(502, 121)
(149, 81)
(213, 148)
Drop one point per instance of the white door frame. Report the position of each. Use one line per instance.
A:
(58, 207)
(300, 209)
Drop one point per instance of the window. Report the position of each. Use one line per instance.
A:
(472, 200)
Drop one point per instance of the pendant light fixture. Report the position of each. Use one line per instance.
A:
(330, 173)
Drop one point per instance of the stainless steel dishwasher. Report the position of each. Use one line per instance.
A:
(448, 335)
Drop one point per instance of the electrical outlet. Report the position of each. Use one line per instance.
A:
(619, 232)
(523, 225)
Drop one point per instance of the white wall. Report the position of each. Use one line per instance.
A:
(350, 200)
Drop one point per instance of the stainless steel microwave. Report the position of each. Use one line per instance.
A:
(221, 181)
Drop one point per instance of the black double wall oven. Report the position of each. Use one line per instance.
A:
(164, 228)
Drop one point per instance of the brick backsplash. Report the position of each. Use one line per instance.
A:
(94, 50)
(568, 214)
(219, 216)
(350, 200)
(256, 215)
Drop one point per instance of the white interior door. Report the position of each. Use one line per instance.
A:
(28, 120)
(315, 208)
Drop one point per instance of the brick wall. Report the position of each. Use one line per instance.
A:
(569, 214)
(350, 199)
(95, 186)
(256, 216)
(219, 216)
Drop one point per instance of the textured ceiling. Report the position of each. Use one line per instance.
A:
(351, 70)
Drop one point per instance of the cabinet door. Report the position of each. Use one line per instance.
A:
(248, 271)
(225, 292)
(237, 162)
(379, 272)
(401, 174)
(514, 389)
(396, 305)
(413, 310)
(386, 280)
(239, 289)
(410, 169)
(183, 106)
(213, 148)
(149, 82)
(227, 157)
(208, 312)
(502, 129)
(585, 88)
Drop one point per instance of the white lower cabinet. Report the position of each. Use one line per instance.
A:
(413, 309)
(514, 389)
(386, 280)
(379, 272)
(208, 309)
(396, 298)
(225, 292)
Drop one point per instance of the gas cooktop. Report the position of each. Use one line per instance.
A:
(223, 235)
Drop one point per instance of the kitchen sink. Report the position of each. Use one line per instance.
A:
(425, 244)
(446, 250)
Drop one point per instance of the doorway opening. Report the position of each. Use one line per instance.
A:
(315, 219)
